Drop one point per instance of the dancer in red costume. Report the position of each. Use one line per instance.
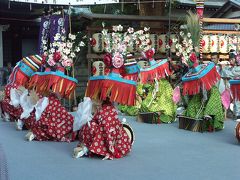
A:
(10, 112)
(19, 77)
(55, 123)
(104, 135)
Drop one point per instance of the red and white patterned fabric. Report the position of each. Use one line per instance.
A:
(13, 112)
(55, 123)
(104, 135)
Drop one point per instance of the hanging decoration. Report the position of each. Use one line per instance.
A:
(59, 24)
(68, 2)
(43, 34)
(200, 9)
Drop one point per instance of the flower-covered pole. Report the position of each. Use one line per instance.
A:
(200, 9)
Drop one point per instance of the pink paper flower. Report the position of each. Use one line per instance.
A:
(117, 60)
(67, 63)
(51, 62)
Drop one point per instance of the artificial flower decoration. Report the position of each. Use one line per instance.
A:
(57, 56)
(94, 70)
(118, 60)
(62, 51)
(107, 59)
(149, 53)
(185, 50)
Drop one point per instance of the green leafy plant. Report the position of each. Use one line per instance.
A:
(193, 27)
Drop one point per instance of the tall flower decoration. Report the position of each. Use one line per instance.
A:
(116, 44)
(185, 50)
(62, 52)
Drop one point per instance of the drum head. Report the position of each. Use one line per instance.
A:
(237, 131)
(129, 132)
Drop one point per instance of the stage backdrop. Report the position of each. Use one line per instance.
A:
(69, 2)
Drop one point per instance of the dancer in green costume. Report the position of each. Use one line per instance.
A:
(212, 107)
(161, 102)
(158, 99)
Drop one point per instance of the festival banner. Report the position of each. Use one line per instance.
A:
(69, 2)
(58, 24)
(43, 34)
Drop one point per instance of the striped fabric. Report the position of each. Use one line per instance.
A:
(33, 62)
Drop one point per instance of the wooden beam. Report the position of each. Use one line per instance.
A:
(114, 17)
(220, 32)
(221, 20)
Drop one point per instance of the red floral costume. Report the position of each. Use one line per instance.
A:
(55, 123)
(13, 112)
(104, 135)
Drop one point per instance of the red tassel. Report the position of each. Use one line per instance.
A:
(45, 83)
(235, 89)
(133, 77)
(159, 72)
(193, 87)
(117, 91)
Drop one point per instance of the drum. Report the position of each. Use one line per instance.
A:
(98, 68)
(162, 43)
(214, 43)
(205, 44)
(129, 132)
(154, 41)
(172, 43)
(223, 44)
(191, 124)
(97, 42)
(237, 131)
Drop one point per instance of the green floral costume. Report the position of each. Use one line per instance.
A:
(161, 102)
(213, 107)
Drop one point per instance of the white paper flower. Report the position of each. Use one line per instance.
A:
(72, 37)
(146, 29)
(130, 30)
(77, 49)
(115, 28)
(119, 27)
(69, 45)
(103, 24)
(174, 40)
(67, 51)
(81, 44)
(104, 32)
(72, 55)
(57, 37)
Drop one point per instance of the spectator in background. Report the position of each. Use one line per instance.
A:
(8, 71)
(233, 72)
(215, 58)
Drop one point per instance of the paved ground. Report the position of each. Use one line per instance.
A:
(160, 152)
